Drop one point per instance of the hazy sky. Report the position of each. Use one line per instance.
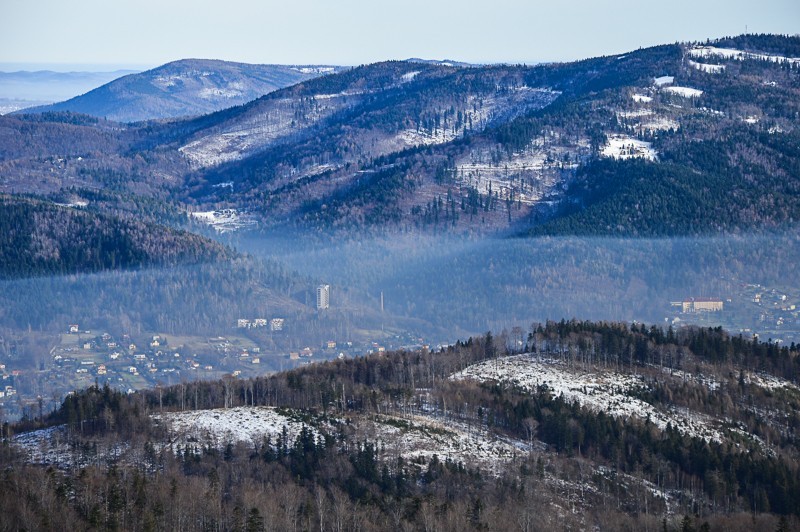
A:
(149, 32)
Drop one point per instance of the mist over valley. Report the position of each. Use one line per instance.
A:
(408, 295)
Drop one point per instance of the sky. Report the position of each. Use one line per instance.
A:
(104, 34)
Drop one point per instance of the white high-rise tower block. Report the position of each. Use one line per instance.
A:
(323, 296)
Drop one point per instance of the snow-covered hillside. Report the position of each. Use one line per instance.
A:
(271, 121)
(686, 92)
(225, 220)
(526, 176)
(276, 120)
(221, 426)
(709, 69)
(625, 147)
(411, 437)
(608, 391)
(740, 55)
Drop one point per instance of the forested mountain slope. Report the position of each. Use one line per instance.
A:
(682, 139)
(41, 238)
(693, 138)
(446, 439)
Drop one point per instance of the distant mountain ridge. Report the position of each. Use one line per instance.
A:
(692, 138)
(440, 62)
(187, 87)
(50, 86)
(25, 89)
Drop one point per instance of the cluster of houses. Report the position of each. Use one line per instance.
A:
(121, 357)
(775, 307)
(752, 309)
(275, 324)
(7, 390)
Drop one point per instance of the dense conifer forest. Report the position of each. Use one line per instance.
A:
(41, 238)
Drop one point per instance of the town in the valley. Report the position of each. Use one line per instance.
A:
(39, 369)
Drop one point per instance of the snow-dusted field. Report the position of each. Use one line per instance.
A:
(50, 447)
(740, 55)
(658, 123)
(635, 114)
(624, 147)
(216, 427)
(708, 382)
(709, 69)
(412, 137)
(417, 436)
(768, 382)
(217, 149)
(225, 220)
(663, 80)
(641, 98)
(220, 426)
(649, 121)
(410, 437)
(234, 90)
(478, 113)
(712, 112)
(315, 70)
(599, 390)
(686, 92)
(44, 446)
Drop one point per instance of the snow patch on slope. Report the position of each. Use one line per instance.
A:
(606, 391)
(740, 55)
(768, 382)
(210, 93)
(709, 69)
(635, 114)
(273, 121)
(625, 147)
(217, 149)
(423, 437)
(412, 137)
(51, 446)
(315, 70)
(527, 176)
(686, 92)
(225, 220)
(658, 123)
(410, 436)
(246, 424)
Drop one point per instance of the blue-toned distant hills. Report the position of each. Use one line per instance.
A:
(184, 88)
